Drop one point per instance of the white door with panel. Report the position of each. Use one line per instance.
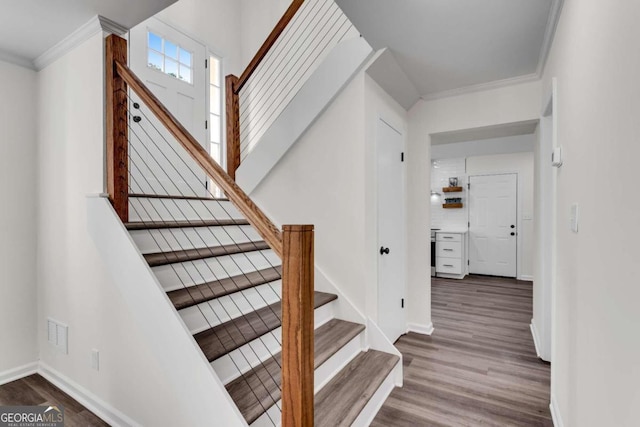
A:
(493, 231)
(172, 66)
(391, 257)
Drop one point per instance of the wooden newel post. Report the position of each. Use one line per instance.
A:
(233, 125)
(297, 326)
(117, 128)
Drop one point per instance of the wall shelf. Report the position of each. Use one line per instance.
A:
(452, 205)
(451, 189)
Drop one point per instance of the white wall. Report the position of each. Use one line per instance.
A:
(18, 172)
(522, 164)
(596, 350)
(233, 29)
(320, 181)
(492, 107)
(216, 23)
(257, 20)
(73, 284)
(327, 178)
(504, 145)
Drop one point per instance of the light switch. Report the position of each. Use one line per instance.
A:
(95, 359)
(63, 332)
(556, 157)
(574, 218)
(52, 332)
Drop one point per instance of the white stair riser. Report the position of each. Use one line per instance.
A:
(176, 239)
(220, 310)
(148, 209)
(232, 365)
(323, 375)
(179, 275)
(372, 407)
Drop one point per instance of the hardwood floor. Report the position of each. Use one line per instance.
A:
(35, 390)
(479, 367)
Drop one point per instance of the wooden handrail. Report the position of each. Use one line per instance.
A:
(268, 43)
(252, 213)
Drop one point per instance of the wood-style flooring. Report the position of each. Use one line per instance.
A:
(34, 390)
(479, 368)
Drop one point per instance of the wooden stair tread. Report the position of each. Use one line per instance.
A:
(259, 389)
(193, 295)
(340, 402)
(168, 196)
(228, 336)
(153, 225)
(164, 258)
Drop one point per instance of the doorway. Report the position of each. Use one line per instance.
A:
(391, 244)
(493, 219)
(172, 66)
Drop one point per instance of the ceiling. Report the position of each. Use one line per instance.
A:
(28, 28)
(444, 45)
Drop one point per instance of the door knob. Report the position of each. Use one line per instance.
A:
(384, 250)
(513, 234)
(513, 226)
(137, 119)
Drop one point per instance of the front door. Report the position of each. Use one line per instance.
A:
(493, 225)
(172, 66)
(391, 270)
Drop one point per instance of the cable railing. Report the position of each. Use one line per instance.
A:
(277, 74)
(216, 266)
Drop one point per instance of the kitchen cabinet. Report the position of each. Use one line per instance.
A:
(451, 254)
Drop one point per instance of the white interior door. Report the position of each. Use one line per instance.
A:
(172, 65)
(493, 225)
(391, 259)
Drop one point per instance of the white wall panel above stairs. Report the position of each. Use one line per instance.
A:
(340, 65)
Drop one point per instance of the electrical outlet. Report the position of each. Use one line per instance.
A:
(95, 359)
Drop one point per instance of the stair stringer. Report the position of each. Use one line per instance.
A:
(325, 83)
(194, 381)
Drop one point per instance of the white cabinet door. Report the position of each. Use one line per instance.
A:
(493, 225)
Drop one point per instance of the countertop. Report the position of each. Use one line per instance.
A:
(453, 230)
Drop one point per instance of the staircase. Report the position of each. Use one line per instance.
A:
(231, 305)
(228, 297)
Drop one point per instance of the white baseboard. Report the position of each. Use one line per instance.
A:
(526, 278)
(536, 340)
(102, 409)
(420, 329)
(555, 413)
(19, 372)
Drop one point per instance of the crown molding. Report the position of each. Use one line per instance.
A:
(18, 60)
(95, 25)
(482, 86)
(549, 34)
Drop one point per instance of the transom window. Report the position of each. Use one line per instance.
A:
(169, 58)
